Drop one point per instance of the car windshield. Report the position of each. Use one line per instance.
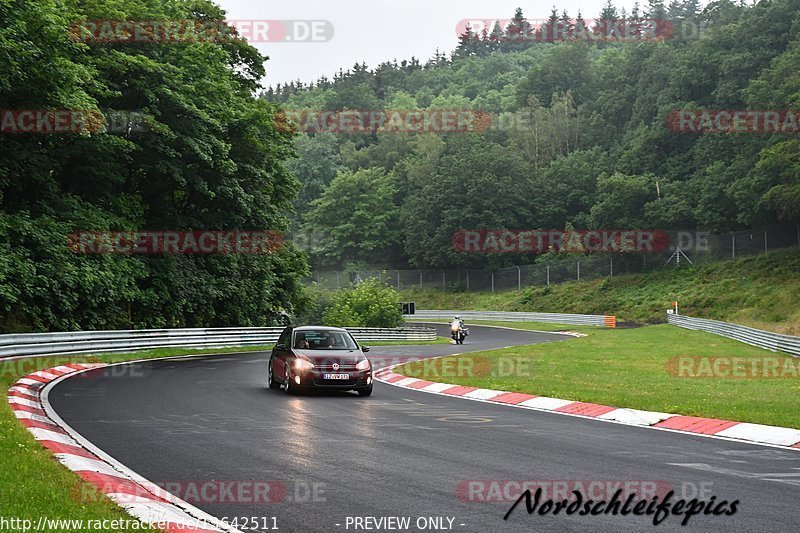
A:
(324, 340)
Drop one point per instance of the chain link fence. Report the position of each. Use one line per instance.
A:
(687, 248)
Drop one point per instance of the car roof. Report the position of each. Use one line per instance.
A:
(318, 328)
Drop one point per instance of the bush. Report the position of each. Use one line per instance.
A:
(313, 304)
(370, 305)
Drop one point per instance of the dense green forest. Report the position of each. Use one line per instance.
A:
(210, 159)
(594, 149)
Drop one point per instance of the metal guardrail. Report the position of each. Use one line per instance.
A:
(768, 340)
(509, 316)
(77, 342)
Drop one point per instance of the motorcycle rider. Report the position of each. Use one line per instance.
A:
(457, 327)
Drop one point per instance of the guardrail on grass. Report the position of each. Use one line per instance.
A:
(768, 340)
(510, 316)
(77, 342)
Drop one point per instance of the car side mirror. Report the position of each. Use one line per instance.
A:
(365, 349)
(280, 346)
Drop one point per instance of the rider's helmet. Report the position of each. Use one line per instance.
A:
(458, 317)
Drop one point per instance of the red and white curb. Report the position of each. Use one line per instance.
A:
(141, 498)
(710, 427)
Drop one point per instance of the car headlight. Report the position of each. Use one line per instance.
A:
(363, 365)
(302, 364)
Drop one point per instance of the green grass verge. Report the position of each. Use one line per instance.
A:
(630, 368)
(761, 292)
(32, 482)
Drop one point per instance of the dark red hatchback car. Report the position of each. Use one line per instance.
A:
(321, 357)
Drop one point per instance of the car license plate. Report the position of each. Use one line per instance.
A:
(335, 376)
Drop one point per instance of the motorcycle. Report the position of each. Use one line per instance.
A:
(458, 331)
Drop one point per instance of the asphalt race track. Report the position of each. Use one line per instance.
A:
(404, 453)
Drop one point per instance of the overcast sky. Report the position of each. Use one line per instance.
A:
(378, 30)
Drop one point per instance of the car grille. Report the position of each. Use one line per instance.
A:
(343, 369)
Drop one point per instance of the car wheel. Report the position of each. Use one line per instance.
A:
(289, 387)
(273, 383)
(365, 392)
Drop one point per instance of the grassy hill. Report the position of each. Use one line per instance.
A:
(762, 292)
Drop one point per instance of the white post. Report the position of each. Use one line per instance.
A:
(548, 274)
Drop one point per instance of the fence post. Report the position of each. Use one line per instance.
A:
(519, 279)
(398, 279)
(492, 281)
(444, 281)
(765, 242)
(467, 279)
(548, 274)
(611, 264)
(733, 246)
(420, 279)
(579, 270)
(337, 280)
